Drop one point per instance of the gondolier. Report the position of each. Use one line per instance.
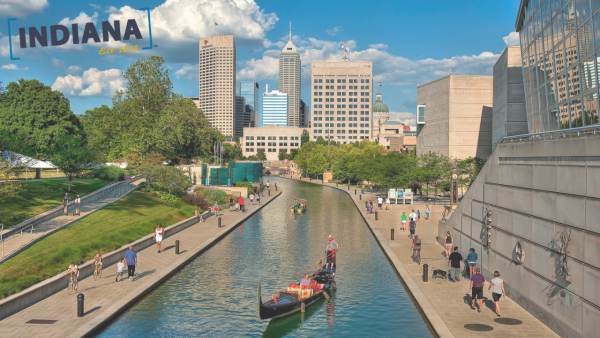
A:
(330, 250)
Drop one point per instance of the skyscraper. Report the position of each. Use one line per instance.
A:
(240, 116)
(289, 80)
(304, 115)
(343, 111)
(275, 108)
(216, 82)
(249, 91)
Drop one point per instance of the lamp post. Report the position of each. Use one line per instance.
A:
(454, 189)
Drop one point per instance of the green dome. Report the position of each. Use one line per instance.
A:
(379, 106)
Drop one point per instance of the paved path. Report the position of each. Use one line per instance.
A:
(449, 300)
(27, 237)
(105, 298)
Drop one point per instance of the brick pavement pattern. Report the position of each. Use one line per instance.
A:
(105, 298)
(450, 300)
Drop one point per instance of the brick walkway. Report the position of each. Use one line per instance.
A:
(450, 300)
(104, 298)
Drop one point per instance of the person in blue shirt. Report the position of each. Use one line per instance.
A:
(472, 259)
(130, 257)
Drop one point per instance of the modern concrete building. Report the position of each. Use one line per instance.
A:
(249, 91)
(390, 130)
(304, 114)
(454, 116)
(275, 108)
(272, 139)
(381, 113)
(542, 189)
(289, 80)
(341, 107)
(241, 117)
(216, 82)
(509, 115)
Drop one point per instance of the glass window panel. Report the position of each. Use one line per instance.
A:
(568, 19)
(551, 93)
(573, 83)
(585, 39)
(596, 20)
(563, 113)
(542, 94)
(534, 76)
(561, 84)
(590, 108)
(549, 65)
(557, 29)
(559, 57)
(571, 49)
(535, 103)
(595, 4)
(588, 74)
(582, 10)
(576, 117)
(530, 124)
(556, 4)
(545, 122)
(545, 13)
(536, 123)
(529, 107)
(554, 119)
(527, 83)
(548, 39)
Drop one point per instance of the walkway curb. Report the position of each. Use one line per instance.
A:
(438, 326)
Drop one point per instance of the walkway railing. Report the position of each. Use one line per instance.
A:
(546, 135)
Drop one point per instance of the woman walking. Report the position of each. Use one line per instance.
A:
(427, 211)
(449, 243)
(497, 286)
(472, 259)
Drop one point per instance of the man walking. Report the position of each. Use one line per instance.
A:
(241, 203)
(413, 229)
(476, 288)
(130, 258)
(380, 203)
(454, 263)
(330, 250)
(251, 199)
(65, 203)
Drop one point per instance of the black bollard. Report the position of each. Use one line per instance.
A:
(219, 222)
(80, 305)
(348, 187)
(275, 186)
(425, 273)
(360, 197)
(269, 192)
(392, 234)
(177, 247)
(354, 191)
(376, 215)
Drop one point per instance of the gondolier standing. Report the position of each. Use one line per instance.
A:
(331, 249)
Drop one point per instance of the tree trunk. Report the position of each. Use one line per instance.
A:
(38, 173)
(70, 179)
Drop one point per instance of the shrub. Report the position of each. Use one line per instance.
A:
(245, 184)
(196, 200)
(213, 195)
(110, 173)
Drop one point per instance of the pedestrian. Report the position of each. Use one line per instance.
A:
(379, 203)
(427, 211)
(449, 243)
(418, 215)
(158, 235)
(119, 273)
(403, 224)
(216, 208)
(77, 202)
(330, 250)
(230, 203)
(497, 286)
(251, 199)
(268, 186)
(454, 263)
(370, 188)
(387, 203)
(130, 259)
(363, 189)
(476, 289)
(241, 203)
(413, 228)
(371, 202)
(258, 198)
(412, 216)
(368, 209)
(65, 204)
(472, 260)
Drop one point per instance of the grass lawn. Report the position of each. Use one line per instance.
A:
(122, 222)
(40, 196)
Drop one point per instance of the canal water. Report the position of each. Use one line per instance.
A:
(216, 294)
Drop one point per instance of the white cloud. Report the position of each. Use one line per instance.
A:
(94, 6)
(21, 8)
(266, 68)
(80, 20)
(56, 63)
(12, 66)
(113, 10)
(73, 69)
(188, 72)
(379, 46)
(512, 39)
(334, 30)
(93, 83)
(408, 119)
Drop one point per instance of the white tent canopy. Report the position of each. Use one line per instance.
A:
(26, 161)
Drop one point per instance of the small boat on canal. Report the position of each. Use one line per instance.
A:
(298, 207)
(296, 298)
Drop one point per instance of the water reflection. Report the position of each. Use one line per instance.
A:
(216, 295)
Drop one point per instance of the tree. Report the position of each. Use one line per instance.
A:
(38, 117)
(232, 152)
(393, 170)
(283, 155)
(172, 180)
(434, 171)
(305, 137)
(10, 166)
(260, 155)
(71, 157)
(317, 165)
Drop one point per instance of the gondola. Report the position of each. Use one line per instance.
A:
(289, 302)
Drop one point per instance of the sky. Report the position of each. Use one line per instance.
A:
(409, 42)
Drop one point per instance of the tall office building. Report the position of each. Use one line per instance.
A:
(241, 118)
(275, 108)
(216, 82)
(289, 80)
(342, 96)
(249, 91)
(304, 114)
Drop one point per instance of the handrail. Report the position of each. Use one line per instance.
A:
(572, 132)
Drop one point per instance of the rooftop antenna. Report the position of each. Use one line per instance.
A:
(290, 31)
(345, 49)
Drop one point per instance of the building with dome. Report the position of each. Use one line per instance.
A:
(381, 113)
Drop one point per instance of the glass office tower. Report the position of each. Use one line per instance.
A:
(249, 91)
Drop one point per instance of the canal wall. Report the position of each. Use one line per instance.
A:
(438, 326)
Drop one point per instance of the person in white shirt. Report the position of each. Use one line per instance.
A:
(387, 203)
(251, 199)
(77, 201)
(412, 216)
(120, 267)
(379, 203)
(158, 235)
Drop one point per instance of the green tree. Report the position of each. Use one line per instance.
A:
(393, 170)
(283, 155)
(434, 171)
(260, 155)
(72, 157)
(232, 152)
(38, 117)
(317, 165)
(305, 137)
(172, 180)
(10, 166)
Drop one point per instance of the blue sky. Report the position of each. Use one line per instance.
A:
(408, 42)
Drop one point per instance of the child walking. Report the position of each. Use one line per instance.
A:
(120, 267)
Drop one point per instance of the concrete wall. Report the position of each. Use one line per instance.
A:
(509, 113)
(538, 191)
(458, 116)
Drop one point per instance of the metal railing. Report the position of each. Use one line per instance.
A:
(546, 135)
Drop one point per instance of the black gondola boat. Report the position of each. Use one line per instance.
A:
(288, 303)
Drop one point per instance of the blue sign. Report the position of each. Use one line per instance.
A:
(400, 193)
